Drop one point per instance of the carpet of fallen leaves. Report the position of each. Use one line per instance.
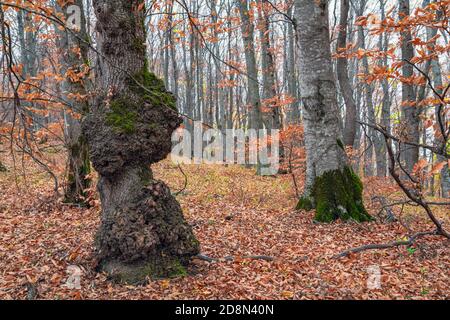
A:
(234, 213)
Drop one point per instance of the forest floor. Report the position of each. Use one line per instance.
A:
(233, 213)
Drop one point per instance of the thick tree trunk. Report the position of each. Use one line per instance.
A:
(75, 54)
(142, 232)
(332, 188)
(344, 82)
(410, 110)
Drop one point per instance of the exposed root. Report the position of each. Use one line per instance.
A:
(394, 244)
(231, 258)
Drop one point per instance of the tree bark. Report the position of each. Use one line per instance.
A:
(268, 71)
(344, 82)
(293, 114)
(73, 56)
(253, 96)
(332, 188)
(143, 232)
(385, 121)
(410, 110)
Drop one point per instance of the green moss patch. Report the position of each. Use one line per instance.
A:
(155, 91)
(146, 90)
(336, 195)
(140, 272)
(122, 115)
(305, 203)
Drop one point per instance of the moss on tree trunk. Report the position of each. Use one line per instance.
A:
(336, 195)
(143, 233)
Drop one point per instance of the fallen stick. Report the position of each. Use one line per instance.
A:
(231, 258)
(394, 244)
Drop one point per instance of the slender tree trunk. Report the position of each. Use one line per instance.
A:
(370, 135)
(268, 71)
(410, 110)
(439, 141)
(293, 116)
(385, 121)
(344, 82)
(74, 57)
(254, 99)
(332, 188)
(143, 232)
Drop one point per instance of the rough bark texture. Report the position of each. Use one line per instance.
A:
(143, 232)
(331, 186)
(344, 82)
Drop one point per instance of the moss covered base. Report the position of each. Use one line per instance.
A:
(337, 195)
(139, 273)
(305, 203)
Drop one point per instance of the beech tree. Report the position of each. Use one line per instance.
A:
(332, 188)
(344, 81)
(143, 232)
(410, 110)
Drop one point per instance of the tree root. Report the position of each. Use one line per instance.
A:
(231, 258)
(394, 244)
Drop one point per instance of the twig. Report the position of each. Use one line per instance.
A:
(185, 181)
(231, 258)
(394, 244)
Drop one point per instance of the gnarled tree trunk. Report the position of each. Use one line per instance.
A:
(143, 232)
(332, 188)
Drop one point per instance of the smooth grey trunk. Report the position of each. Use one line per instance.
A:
(344, 82)
(370, 134)
(385, 121)
(439, 141)
(253, 96)
(268, 71)
(73, 57)
(28, 58)
(410, 111)
(332, 188)
(293, 114)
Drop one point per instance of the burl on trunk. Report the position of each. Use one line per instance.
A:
(143, 232)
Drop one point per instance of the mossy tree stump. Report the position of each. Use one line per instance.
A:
(143, 233)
